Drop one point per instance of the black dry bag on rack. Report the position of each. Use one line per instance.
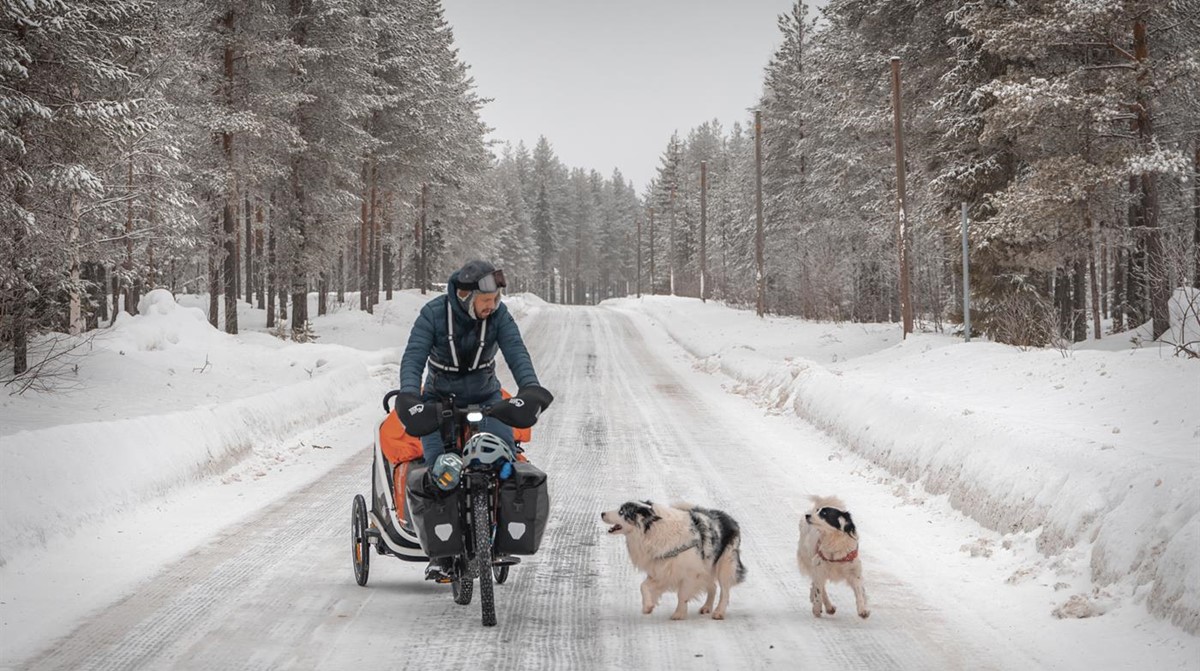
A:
(523, 507)
(435, 515)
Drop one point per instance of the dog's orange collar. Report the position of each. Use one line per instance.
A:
(850, 557)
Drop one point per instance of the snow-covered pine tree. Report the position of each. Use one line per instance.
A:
(704, 143)
(783, 164)
(543, 232)
(615, 237)
(332, 75)
(549, 180)
(845, 265)
(667, 183)
(516, 252)
(732, 216)
(76, 103)
(232, 104)
(451, 133)
(589, 236)
(1092, 181)
(398, 145)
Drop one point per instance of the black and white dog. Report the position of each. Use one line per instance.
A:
(682, 548)
(828, 550)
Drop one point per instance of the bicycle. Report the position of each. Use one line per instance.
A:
(481, 517)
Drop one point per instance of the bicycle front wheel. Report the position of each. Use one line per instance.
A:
(481, 520)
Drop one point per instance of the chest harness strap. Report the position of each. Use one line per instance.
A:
(457, 367)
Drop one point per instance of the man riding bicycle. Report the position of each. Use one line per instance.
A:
(453, 343)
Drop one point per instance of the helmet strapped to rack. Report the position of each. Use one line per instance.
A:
(487, 448)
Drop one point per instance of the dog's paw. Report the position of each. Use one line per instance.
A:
(705, 610)
(646, 610)
(816, 611)
(864, 613)
(831, 609)
(678, 616)
(719, 615)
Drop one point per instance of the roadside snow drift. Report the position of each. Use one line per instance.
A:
(202, 400)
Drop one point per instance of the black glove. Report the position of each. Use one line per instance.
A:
(420, 418)
(522, 410)
(539, 396)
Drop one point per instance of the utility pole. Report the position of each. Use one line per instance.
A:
(671, 261)
(229, 212)
(906, 310)
(758, 215)
(363, 258)
(966, 278)
(422, 236)
(703, 227)
(1156, 269)
(652, 292)
(249, 250)
(1196, 212)
(76, 323)
(639, 257)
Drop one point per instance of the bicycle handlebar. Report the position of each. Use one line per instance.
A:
(506, 410)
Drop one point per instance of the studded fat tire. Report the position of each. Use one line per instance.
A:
(463, 587)
(360, 548)
(481, 519)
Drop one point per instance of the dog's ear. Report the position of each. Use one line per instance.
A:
(648, 515)
(650, 520)
(630, 510)
(848, 525)
(640, 513)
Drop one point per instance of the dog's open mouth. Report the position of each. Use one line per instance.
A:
(615, 528)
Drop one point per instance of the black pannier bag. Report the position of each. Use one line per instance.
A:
(435, 515)
(523, 508)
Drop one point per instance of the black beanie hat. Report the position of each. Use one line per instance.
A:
(471, 272)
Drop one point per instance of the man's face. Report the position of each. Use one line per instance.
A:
(485, 304)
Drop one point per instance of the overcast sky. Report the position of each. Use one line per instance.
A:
(607, 81)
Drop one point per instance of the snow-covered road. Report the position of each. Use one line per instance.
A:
(633, 419)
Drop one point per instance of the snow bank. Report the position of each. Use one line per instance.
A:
(521, 305)
(160, 324)
(192, 402)
(54, 480)
(982, 424)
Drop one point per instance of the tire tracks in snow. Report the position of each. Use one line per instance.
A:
(544, 609)
(179, 618)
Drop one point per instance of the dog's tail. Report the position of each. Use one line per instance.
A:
(741, 568)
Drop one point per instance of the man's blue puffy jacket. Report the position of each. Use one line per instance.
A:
(472, 374)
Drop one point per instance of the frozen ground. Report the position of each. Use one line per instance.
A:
(1018, 509)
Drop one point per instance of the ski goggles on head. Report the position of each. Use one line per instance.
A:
(491, 282)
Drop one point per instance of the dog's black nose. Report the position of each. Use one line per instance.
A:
(808, 517)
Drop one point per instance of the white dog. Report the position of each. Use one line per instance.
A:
(828, 550)
(683, 549)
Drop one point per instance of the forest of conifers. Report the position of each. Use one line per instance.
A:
(260, 150)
